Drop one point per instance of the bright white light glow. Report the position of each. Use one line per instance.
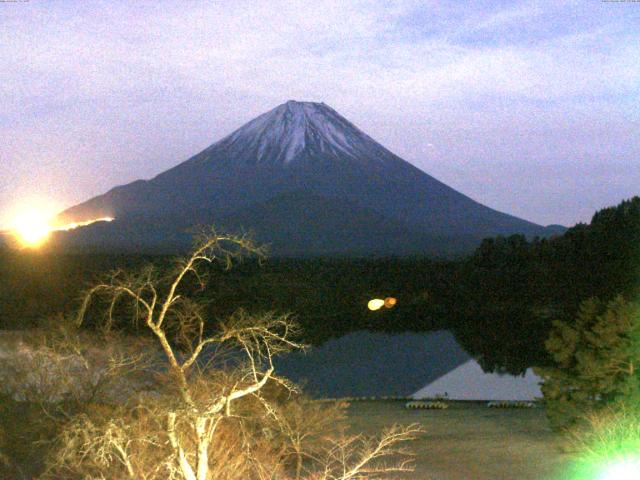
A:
(628, 469)
(31, 228)
(73, 225)
(375, 304)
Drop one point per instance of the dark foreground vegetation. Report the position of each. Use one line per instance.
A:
(500, 301)
(564, 305)
(176, 402)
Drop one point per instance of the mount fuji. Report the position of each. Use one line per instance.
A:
(306, 181)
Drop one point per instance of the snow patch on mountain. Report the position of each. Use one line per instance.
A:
(281, 135)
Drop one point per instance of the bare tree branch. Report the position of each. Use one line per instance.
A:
(200, 408)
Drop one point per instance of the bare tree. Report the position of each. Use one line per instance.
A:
(320, 452)
(212, 398)
(358, 457)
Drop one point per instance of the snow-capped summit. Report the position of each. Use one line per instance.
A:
(305, 180)
(301, 131)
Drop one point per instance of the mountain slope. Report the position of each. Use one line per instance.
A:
(299, 224)
(307, 148)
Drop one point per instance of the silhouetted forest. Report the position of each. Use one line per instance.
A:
(499, 301)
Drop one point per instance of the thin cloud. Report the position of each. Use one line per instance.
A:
(125, 90)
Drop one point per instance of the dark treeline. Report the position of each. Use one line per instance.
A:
(328, 296)
(500, 301)
(510, 290)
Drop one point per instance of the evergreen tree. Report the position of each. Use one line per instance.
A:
(597, 360)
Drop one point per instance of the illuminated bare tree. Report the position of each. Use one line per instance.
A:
(203, 420)
(340, 457)
(360, 458)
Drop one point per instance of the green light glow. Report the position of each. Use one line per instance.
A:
(626, 469)
(607, 446)
(618, 468)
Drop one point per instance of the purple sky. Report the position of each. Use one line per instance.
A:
(532, 108)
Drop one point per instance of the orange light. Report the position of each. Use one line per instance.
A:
(390, 302)
(33, 228)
